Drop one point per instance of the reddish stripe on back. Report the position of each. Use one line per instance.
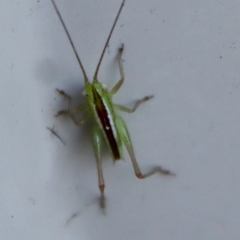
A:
(106, 125)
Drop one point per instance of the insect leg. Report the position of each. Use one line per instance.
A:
(120, 64)
(120, 82)
(136, 105)
(71, 112)
(97, 143)
(125, 137)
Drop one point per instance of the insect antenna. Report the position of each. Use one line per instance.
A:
(71, 42)
(106, 44)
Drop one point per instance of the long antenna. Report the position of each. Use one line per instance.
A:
(106, 44)
(71, 42)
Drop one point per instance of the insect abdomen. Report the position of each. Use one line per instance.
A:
(106, 123)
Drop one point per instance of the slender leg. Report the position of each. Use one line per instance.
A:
(97, 143)
(71, 112)
(80, 108)
(65, 95)
(127, 142)
(136, 105)
(120, 64)
(76, 121)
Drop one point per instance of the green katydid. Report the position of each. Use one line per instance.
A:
(108, 126)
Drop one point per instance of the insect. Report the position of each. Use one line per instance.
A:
(108, 126)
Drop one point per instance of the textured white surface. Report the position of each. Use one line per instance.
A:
(187, 54)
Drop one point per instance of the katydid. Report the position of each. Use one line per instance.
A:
(108, 125)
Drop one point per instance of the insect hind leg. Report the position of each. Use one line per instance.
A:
(125, 137)
(97, 144)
